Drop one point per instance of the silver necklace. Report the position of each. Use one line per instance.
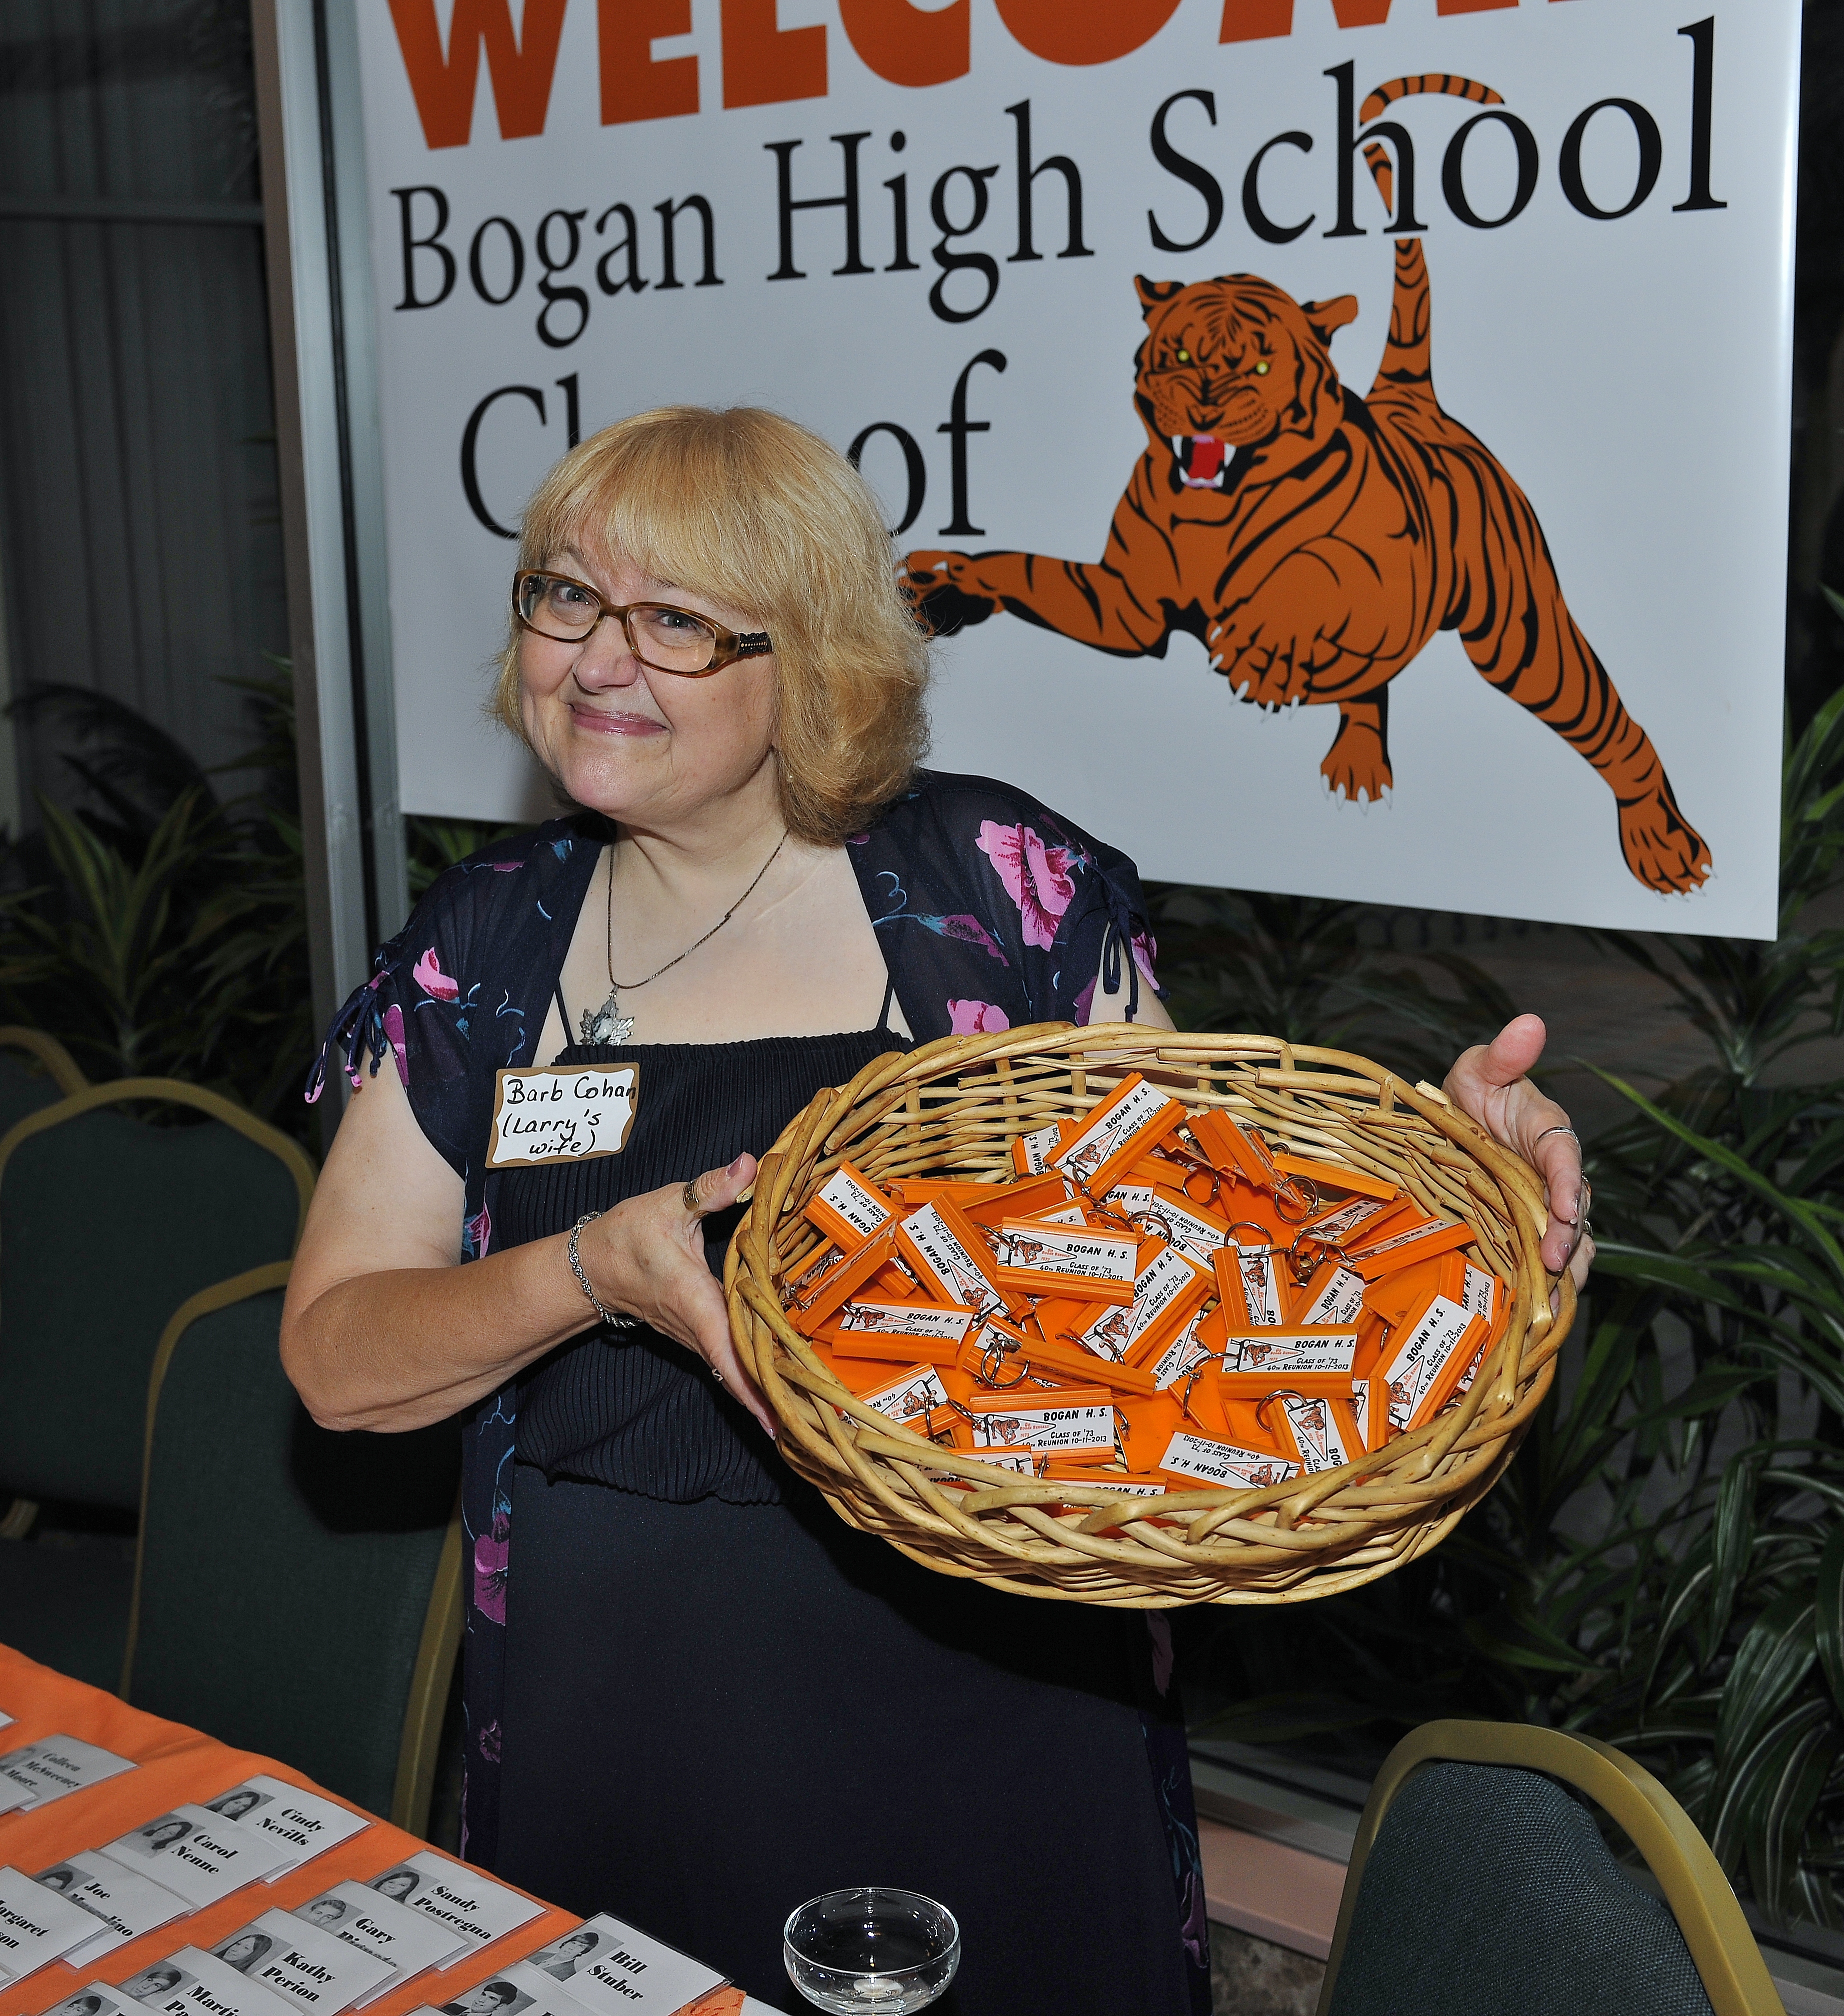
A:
(608, 1024)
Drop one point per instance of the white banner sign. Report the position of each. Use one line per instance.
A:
(1350, 436)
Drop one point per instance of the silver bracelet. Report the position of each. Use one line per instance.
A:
(613, 1318)
(1569, 1130)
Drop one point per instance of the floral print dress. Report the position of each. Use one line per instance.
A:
(992, 912)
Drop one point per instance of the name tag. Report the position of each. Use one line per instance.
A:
(567, 1113)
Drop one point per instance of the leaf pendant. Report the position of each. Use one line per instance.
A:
(607, 1024)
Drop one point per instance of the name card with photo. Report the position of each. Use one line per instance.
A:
(473, 1906)
(201, 1854)
(303, 1824)
(407, 1941)
(36, 1925)
(53, 1767)
(294, 1960)
(127, 1904)
(612, 1970)
(191, 1983)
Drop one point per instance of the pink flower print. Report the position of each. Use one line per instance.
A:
(1084, 1002)
(1145, 951)
(430, 978)
(492, 1551)
(1037, 877)
(394, 1029)
(969, 931)
(977, 1018)
(476, 1232)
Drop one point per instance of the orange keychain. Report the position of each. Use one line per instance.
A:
(1070, 1422)
(951, 1259)
(1184, 1350)
(1001, 1357)
(1035, 1259)
(849, 1208)
(1165, 1213)
(1395, 1297)
(911, 1192)
(1029, 1199)
(1279, 1354)
(859, 1270)
(1031, 1153)
(1128, 1123)
(1363, 1218)
(1250, 1286)
(1484, 1294)
(1168, 1289)
(1404, 1248)
(1422, 1365)
(1323, 1431)
(1333, 1294)
(1193, 1459)
(896, 1331)
(918, 1391)
(1335, 1176)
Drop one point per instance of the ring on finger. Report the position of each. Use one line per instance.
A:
(689, 1196)
(716, 1375)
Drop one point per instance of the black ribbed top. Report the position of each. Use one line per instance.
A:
(630, 1408)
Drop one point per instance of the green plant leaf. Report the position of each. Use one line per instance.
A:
(1828, 1603)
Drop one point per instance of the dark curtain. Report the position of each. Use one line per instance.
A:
(140, 544)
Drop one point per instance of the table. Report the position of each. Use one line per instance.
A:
(177, 1764)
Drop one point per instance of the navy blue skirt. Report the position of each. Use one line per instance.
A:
(714, 1711)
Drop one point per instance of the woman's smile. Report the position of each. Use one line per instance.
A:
(604, 720)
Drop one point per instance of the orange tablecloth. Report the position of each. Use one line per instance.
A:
(177, 1764)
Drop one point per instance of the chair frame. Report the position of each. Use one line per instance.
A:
(1722, 1948)
(62, 1068)
(81, 1096)
(419, 1743)
(171, 1092)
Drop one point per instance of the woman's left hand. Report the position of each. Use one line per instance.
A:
(1488, 1083)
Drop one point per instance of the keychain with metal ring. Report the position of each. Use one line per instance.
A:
(1191, 1377)
(1266, 1244)
(1301, 1186)
(613, 1318)
(1301, 1267)
(993, 1357)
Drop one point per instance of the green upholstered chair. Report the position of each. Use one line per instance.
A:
(297, 1592)
(1478, 1881)
(36, 1070)
(107, 1224)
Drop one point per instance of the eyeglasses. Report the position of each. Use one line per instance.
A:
(664, 639)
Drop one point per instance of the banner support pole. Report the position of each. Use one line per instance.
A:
(331, 487)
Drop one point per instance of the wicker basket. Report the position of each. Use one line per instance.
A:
(952, 1108)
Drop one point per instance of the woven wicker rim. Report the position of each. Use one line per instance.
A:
(952, 1108)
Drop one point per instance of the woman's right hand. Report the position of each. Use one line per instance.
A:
(645, 1257)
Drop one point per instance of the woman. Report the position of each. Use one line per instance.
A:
(245, 1950)
(694, 1696)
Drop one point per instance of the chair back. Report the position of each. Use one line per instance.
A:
(297, 1592)
(1478, 1881)
(106, 1225)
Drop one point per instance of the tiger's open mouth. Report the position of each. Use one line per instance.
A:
(1203, 461)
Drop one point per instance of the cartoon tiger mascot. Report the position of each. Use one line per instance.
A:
(1315, 540)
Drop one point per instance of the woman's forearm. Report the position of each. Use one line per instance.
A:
(398, 1349)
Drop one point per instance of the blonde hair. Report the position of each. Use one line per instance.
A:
(748, 508)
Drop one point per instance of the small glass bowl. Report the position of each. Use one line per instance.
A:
(859, 1951)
